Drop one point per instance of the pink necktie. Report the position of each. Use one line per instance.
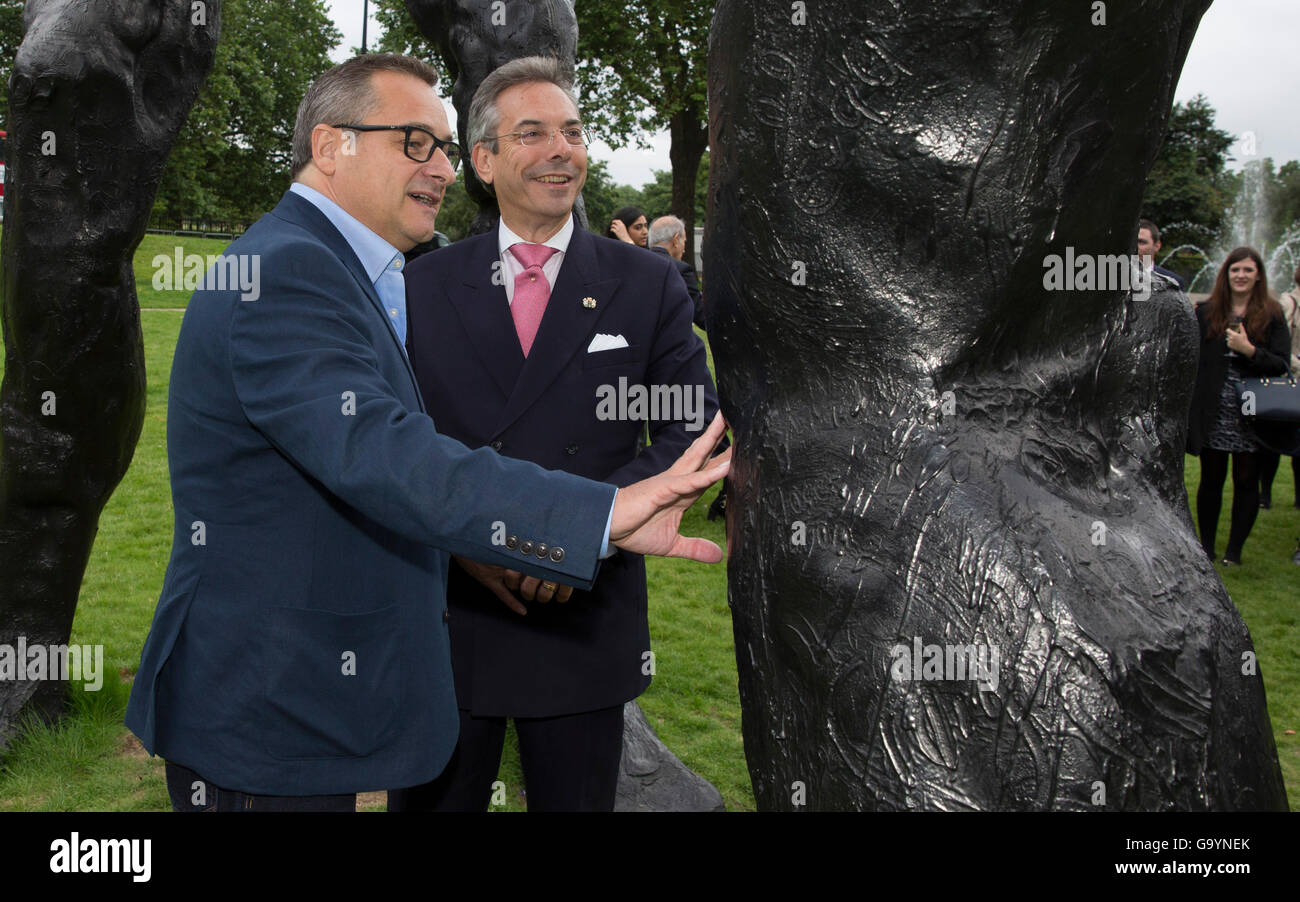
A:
(531, 291)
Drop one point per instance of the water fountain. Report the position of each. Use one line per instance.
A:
(1247, 223)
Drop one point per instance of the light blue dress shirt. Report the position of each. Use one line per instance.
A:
(383, 264)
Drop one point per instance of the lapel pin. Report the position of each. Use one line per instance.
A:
(589, 303)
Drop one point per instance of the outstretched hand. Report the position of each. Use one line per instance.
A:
(648, 514)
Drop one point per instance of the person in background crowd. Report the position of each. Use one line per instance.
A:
(629, 224)
(668, 237)
(1268, 460)
(1242, 334)
(1149, 246)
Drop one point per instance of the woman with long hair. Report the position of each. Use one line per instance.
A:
(1242, 335)
(629, 224)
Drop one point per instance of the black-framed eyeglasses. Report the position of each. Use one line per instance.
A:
(420, 143)
(529, 137)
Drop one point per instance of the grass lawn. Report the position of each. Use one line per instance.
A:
(151, 247)
(90, 762)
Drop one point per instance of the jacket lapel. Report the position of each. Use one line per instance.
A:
(567, 325)
(303, 212)
(485, 314)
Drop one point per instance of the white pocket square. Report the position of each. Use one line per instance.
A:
(603, 342)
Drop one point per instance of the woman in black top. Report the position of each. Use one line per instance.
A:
(1242, 335)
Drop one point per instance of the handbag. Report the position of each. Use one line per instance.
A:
(1273, 398)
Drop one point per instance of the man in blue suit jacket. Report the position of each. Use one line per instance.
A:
(299, 650)
(617, 325)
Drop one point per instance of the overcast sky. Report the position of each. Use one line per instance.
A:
(1245, 59)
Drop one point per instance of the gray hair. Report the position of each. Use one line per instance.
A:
(665, 229)
(344, 94)
(485, 118)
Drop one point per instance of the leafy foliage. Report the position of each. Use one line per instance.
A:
(1188, 183)
(657, 196)
(231, 160)
(641, 68)
(400, 35)
(603, 198)
(456, 214)
(11, 35)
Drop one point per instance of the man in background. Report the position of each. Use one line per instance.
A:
(1149, 246)
(668, 237)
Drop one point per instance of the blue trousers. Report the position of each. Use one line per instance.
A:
(190, 792)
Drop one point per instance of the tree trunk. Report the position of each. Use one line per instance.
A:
(689, 133)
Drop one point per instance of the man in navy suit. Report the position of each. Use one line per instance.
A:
(668, 238)
(299, 650)
(558, 387)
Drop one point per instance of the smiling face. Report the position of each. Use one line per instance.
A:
(1242, 277)
(536, 187)
(368, 173)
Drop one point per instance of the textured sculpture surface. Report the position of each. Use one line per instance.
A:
(652, 778)
(942, 464)
(934, 450)
(99, 92)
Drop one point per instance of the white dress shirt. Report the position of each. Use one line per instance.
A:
(512, 268)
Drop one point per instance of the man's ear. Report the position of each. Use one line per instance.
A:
(327, 144)
(482, 159)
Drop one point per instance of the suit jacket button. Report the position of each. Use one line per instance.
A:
(557, 554)
(572, 448)
(525, 547)
(512, 542)
(496, 446)
(446, 616)
(542, 548)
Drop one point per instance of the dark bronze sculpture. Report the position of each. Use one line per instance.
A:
(98, 95)
(934, 451)
(478, 36)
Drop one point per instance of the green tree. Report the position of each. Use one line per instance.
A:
(657, 196)
(641, 69)
(232, 158)
(1188, 190)
(603, 198)
(456, 214)
(400, 35)
(11, 35)
(1284, 198)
